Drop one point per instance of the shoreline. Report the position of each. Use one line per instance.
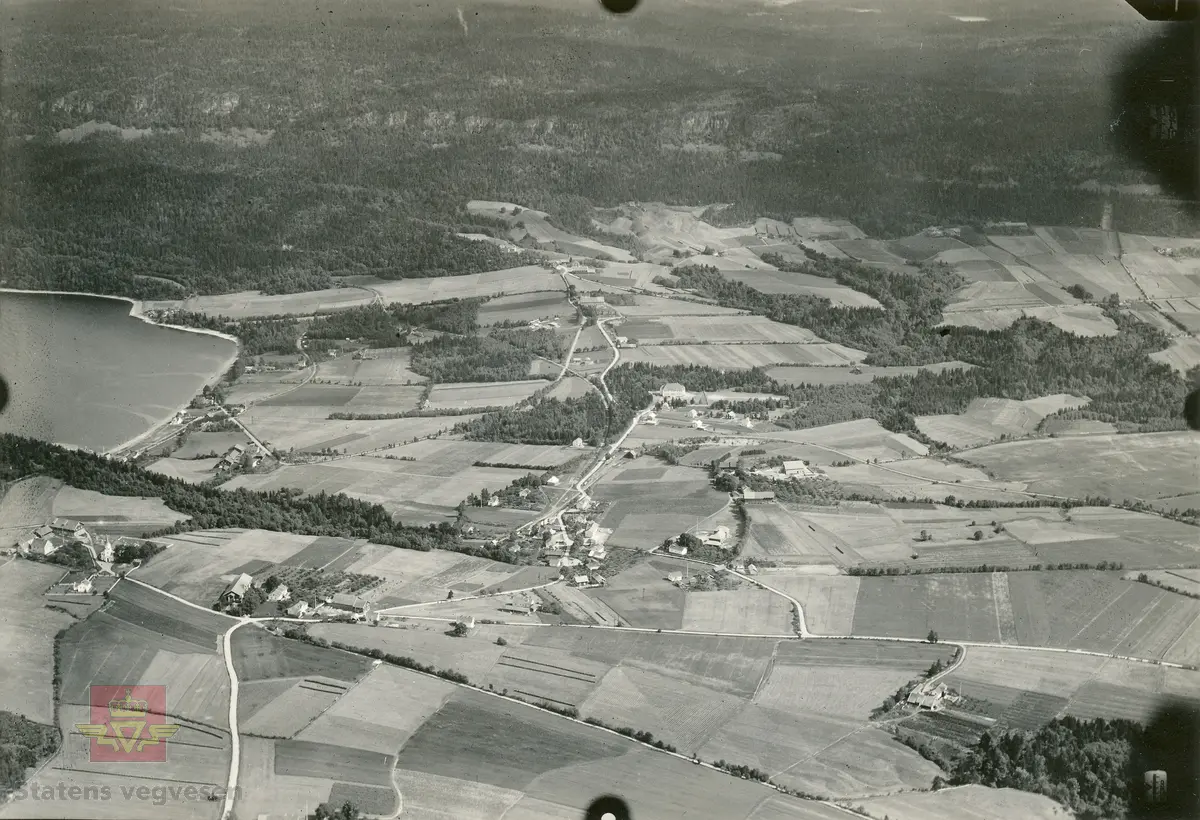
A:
(136, 311)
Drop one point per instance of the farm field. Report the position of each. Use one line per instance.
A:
(798, 375)
(643, 597)
(382, 366)
(431, 795)
(716, 330)
(572, 387)
(525, 308)
(860, 439)
(411, 577)
(251, 388)
(659, 306)
(966, 803)
(294, 708)
(771, 281)
(1182, 355)
(955, 606)
(521, 280)
(191, 470)
(266, 792)
(1082, 320)
(536, 675)
(318, 401)
(305, 758)
(27, 640)
(745, 356)
(1187, 580)
(25, 505)
(259, 655)
(282, 429)
(469, 395)
(986, 420)
(416, 492)
(199, 565)
(640, 501)
(245, 304)
(924, 479)
(747, 610)
(1145, 465)
(449, 456)
(88, 507)
(828, 600)
(789, 537)
(200, 443)
(428, 642)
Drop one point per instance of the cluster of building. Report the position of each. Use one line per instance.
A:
(933, 698)
(342, 604)
(50, 538)
(718, 538)
(572, 541)
(544, 324)
(241, 455)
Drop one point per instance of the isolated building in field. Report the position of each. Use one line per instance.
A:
(238, 589)
(757, 495)
(298, 609)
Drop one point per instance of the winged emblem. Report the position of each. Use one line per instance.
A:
(127, 735)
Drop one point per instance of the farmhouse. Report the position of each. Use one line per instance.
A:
(82, 586)
(280, 593)
(559, 540)
(238, 589)
(552, 481)
(298, 609)
(580, 580)
(578, 444)
(598, 552)
(673, 390)
(675, 577)
(43, 531)
(757, 495)
(348, 603)
(717, 537)
(677, 549)
(567, 561)
(68, 528)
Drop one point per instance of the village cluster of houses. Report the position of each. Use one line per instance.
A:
(342, 604)
(560, 539)
(50, 538)
(672, 393)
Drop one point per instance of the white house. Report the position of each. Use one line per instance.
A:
(673, 390)
(280, 593)
(567, 561)
(677, 549)
(494, 501)
(578, 443)
(598, 552)
(552, 481)
(298, 609)
(675, 577)
(797, 468)
(757, 495)
(84, 586)
(580, 580)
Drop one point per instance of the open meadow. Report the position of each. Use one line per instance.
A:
(746, 610)
(474, 394)
(965, 803)
(643, 597)
(745, 356)
(318, 401)
(27, 641)
(414, 491)
(1182, 355)
(788, 536)
(651, 503)
(786, 282)
(715, 330)
(246, 304)
(260, 655)
(379, 366)
(268, 792)
(526, 307)
(1138, 466)
(283, 429)
(859, 439)
(986, 420)
(114, 514)
(509, 281)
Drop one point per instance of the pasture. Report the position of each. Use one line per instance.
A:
(200, 443)
(199, 565)
(859, 439)
(90, 507)
(828, 600)
(450, 456)
(25, 505)
(431, 795)
(474, 394)
(986, 420)
(1138, 466)
(800, 374)
(719, 330)
(415, 492)
(27, 640)
(192, 470)
(645, 510)
(285, 430)
(263, 791)
(658, 306)
(572, 387)
(254, 387)
(459, 738)
(642, 597)
(246, 304)
(801, 284)
(955, 606)
(965, 803)
(745, 356)
(317, 401)
(747, 610)
(197, 685)
(1182, 355)
(525, 308)
(522, 280)
(536, 674)
(381, 366)
(259, 655)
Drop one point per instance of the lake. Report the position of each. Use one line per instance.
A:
(83, 372)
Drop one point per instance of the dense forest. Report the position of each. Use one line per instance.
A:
(502, 355)
(259, 336)
(238, 140)
(388, 326)
(22, 744)
(1087, 765)
(286, 510)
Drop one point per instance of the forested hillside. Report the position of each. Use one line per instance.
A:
(221, 163)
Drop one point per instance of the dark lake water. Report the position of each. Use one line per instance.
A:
(83, 372)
